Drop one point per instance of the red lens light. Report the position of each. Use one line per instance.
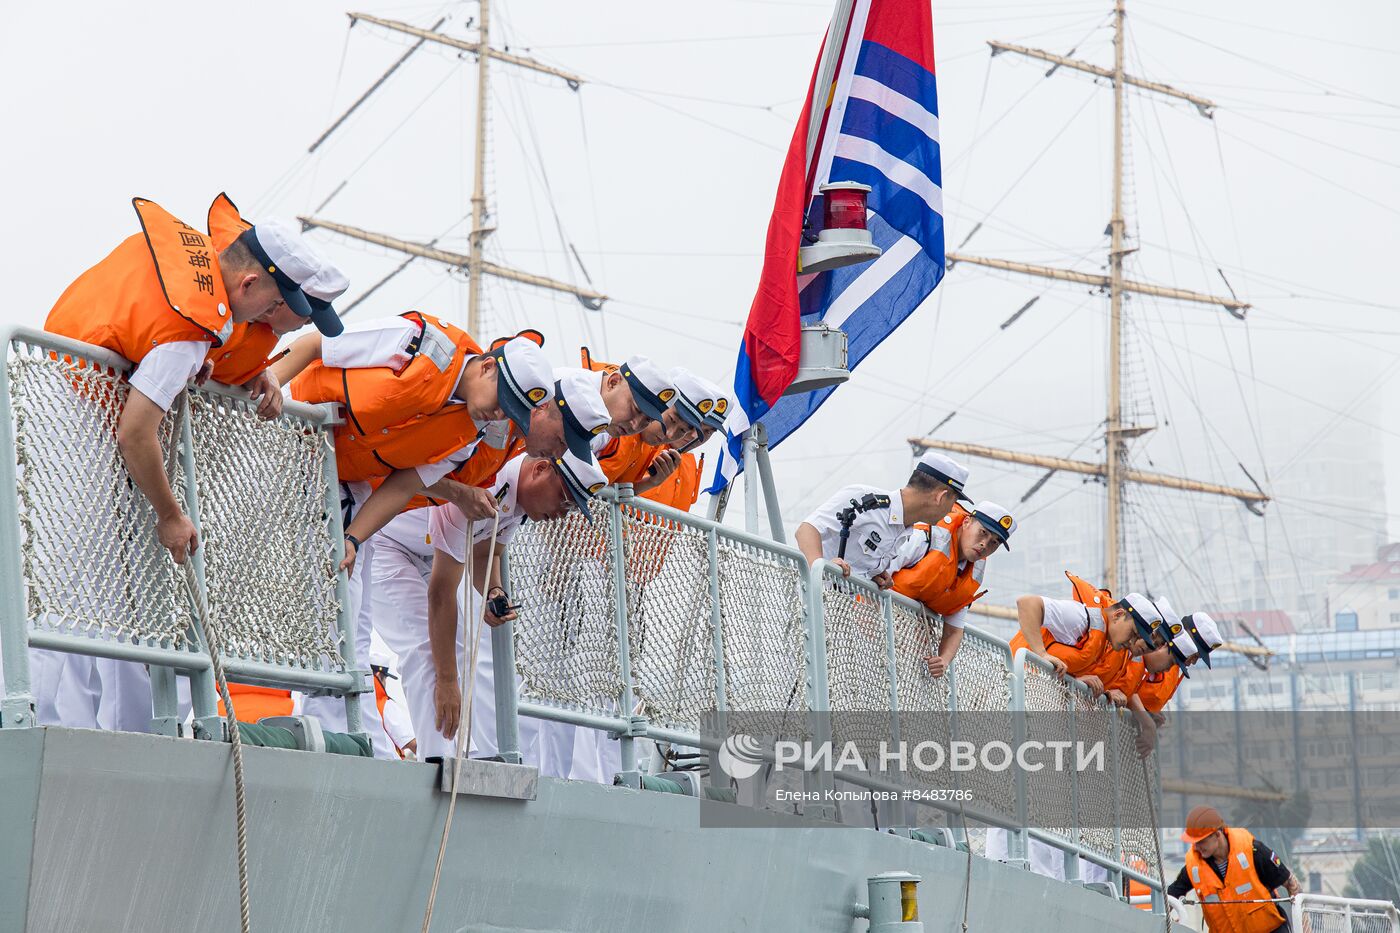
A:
(845, 209)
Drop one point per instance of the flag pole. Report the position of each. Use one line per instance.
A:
(826, 75)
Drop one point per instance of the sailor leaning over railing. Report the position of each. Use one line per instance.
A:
(182, 305)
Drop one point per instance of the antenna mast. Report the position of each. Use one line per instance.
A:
(478, 234)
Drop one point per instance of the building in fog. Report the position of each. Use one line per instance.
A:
(1367, 597)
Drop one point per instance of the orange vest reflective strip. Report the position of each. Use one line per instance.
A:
(1157, 689)
(251, 704)
(158, 286)
(377, 398)
(935, 579)
(681, 489)
(245, 353)
(1241, 883)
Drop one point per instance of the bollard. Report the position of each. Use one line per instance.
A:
(894, 903)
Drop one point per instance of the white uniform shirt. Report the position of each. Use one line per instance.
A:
(1066, 619)
(447, 526)
(875, 540)
(167, 369)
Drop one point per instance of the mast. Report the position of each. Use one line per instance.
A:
(1113, 448)
(1114, 470)
(478, 234)
(474, 262)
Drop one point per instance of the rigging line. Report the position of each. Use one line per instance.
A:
(1035, 160)
(1362, 398)
(1281, 32)
(710, 123)
(679, 40)
(1336, 90)
(1314, 139)
(597, 223)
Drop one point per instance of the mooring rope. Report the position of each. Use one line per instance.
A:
(240, 803)
(467, 679)
(1157, 847)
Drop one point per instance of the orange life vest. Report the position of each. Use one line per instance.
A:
(253, 703)
(158, 286)
(377, 398)
(1157, 689)
(1129, 679)
(479, 469)
(1091, 654)
(935, 579)
(245, 354)
(681, 488)
(1241, 883)
(627, 459)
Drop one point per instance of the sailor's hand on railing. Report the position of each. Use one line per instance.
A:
(1118, 698)
(177, 535)
(447, 706)
(351, 551)
(1094, 684)
(204, 373)
(1159, 719)
(937, 667)
(841, 565)
(472, 501)
(265, 388)
(884, 579)
(1057, 663)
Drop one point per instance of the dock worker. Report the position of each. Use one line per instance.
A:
(859, 528)
(167, 299)
(944, 566)
(1233, 874)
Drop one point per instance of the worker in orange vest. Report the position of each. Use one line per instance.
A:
(1234, 875)
(168, 299)
(944, 565)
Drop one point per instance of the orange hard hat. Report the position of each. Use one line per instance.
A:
(1201, 822)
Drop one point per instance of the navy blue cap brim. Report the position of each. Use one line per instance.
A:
(995, 528)
(648, 402)
(689, 416)
(576, 491)
(512, 401)
(324, 317)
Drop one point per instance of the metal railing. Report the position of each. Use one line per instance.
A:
(1318, 913)
(81, 569)
(645, 620)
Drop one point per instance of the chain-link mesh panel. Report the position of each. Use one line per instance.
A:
(857, 664)
(670, 632)
(566, 636)
(763, 620)
(1095, 789)
(91, 561)
(269, 570)
(982, 682)
(1138, 780)
(1048, 791)
(924, 700)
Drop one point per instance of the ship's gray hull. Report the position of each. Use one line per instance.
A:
(107, 832)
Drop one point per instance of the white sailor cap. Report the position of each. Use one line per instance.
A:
(1179, 643)
(946, 470)
(1144, 614)
(576, 393)
(582, 478)
(695, 397)
(293, 262)
(328, 284)
(650, 388)
(524, 380)
(719, 414)
(996, 520)
(1205, 633)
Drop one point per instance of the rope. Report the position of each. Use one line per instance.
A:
(467, 681)
(1156, 846)
(967, 879)
(240, 804)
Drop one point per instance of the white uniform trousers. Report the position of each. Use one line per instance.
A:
(1045, 860)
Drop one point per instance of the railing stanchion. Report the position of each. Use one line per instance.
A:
(627, 700)
(899, 811)
(17, 703)
(1018, 848)
(204, 695)
(818, 694)
(507, 698)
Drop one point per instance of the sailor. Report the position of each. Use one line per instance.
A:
(638, 394)
(698, 412)
(418, 598)
(944, 566)
(1196, 639)
(168, 299)
(1234, 875)
(859, 528)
